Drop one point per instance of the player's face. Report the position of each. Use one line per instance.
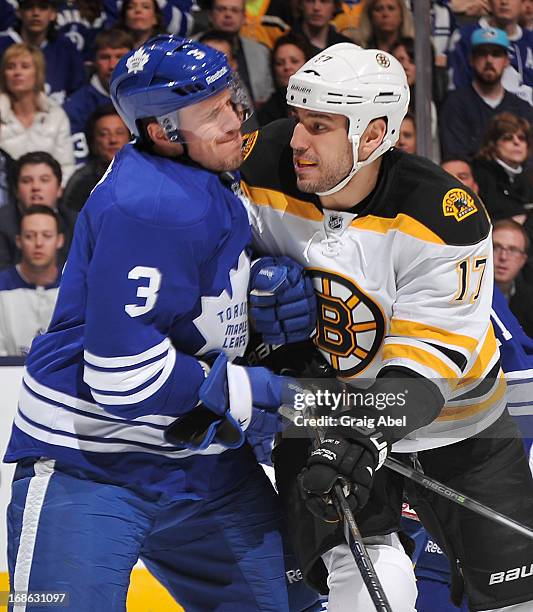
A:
(39, 240)
(212, 130)
(462, 172)
(321, 152)
(20, 74)
(105, 61)
(227, 15)
(512, 149)
(318, 13)
(489, 62)
(386, 15)
(509, 254)
(110, 135)
(140, 15)
(407, 140)
(37, 184)
(287, 60)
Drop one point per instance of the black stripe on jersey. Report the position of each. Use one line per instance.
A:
(407, 184)
(458, 358)
(483, 388)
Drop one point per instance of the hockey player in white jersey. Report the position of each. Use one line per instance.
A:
(156, 281)
(401, 259)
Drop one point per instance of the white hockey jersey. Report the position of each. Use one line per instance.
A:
(404, 279)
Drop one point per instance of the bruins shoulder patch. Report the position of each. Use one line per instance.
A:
(248, 143)
(459, 204)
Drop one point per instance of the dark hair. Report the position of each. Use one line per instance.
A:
(512, 225)
(292, 38)
(159, 27)
(220, 36)
(38, 157)
(40, 209)
(451, 158)
(114, 38)
(500, 125)
(101, 111)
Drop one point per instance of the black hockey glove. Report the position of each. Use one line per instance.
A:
(351, 460)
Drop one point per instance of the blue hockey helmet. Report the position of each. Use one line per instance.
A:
(166, 74)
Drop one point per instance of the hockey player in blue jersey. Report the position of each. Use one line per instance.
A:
(156, 281)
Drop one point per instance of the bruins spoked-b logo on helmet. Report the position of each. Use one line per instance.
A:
(350, 327)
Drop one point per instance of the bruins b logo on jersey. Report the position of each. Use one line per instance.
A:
(350, 325)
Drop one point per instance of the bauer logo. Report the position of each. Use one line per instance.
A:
(300, 88)
(137, 61)
(217, 75)
(517, 573)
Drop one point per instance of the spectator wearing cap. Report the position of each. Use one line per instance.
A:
(466, 112)
(504, 15)
(36, 27)
(28, 291)
(110, 46)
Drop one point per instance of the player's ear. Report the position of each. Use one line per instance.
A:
(372, 137)
(156, 132)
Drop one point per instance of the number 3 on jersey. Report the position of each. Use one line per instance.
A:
(149, 292)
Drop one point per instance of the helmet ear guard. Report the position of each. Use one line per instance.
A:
(360, 84)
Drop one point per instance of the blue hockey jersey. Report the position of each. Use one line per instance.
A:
(64, 66)
(79, 107)
(157, 274)
(79, 30)
(177, 14)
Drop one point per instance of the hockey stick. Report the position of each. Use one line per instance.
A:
(352, 534)
(457, 497)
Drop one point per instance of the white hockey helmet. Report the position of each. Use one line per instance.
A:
(361, 84)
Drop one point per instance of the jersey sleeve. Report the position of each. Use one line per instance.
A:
(142, 278)
(440, 325)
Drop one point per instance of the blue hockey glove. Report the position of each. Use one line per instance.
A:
(282, 301)
(238, 404)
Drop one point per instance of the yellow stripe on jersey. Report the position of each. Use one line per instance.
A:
(425, 358)
(423, 331)
(466, 411)
(282, 202)
(401, 223)
(484, 360)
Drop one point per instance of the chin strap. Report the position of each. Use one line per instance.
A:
(357, 165)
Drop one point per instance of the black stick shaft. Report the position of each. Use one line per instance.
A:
(457, 496)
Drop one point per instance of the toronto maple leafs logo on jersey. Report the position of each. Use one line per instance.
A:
(350, 326)
(223, 321)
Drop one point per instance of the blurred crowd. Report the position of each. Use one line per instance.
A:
(59, 130)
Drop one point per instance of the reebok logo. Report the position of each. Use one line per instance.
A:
(293, 576)
(525, 571)
(217, 75)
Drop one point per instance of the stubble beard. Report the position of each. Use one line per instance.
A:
(332, 174)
